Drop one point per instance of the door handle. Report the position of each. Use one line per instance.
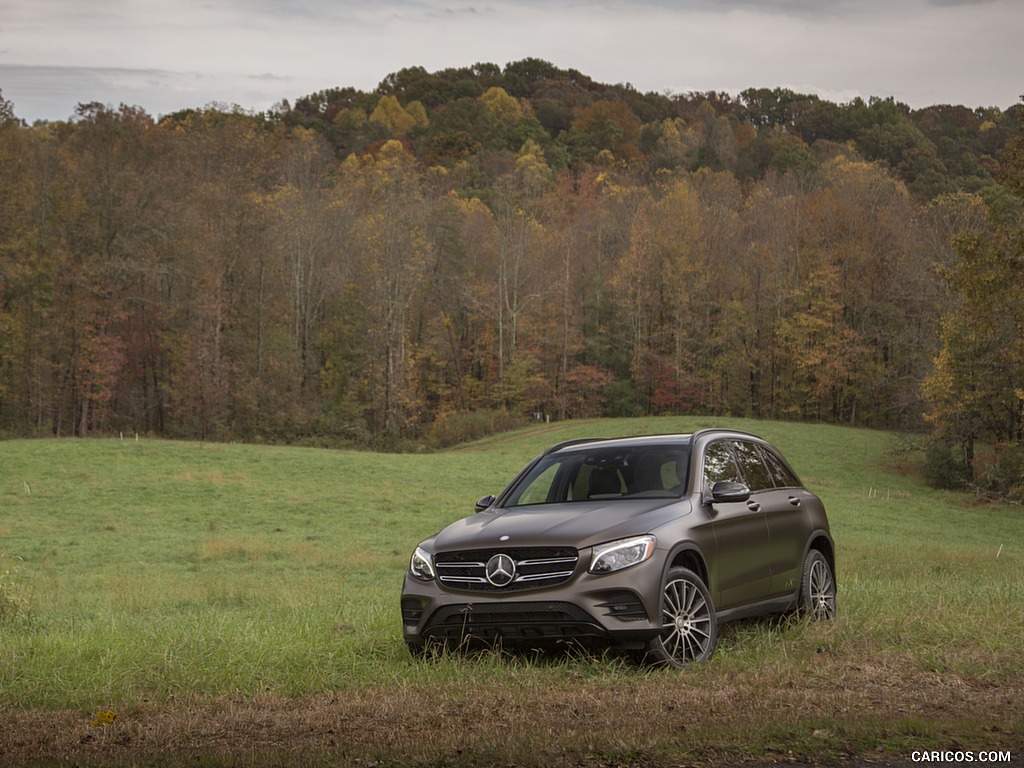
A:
(795, 501)
(753, 506)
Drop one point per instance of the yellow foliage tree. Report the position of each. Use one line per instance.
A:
(504, 107)
(396, 119)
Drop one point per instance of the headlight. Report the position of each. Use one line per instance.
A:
(421, 566)
(616, 555)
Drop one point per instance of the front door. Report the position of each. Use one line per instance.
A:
(741, 535)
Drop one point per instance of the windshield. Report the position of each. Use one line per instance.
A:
(604, 474)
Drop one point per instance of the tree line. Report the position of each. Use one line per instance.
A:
(457, 251)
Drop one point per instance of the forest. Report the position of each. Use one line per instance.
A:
(460, 251)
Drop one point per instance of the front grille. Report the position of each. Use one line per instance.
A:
(534, 567)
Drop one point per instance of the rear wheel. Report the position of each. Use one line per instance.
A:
(818, 588)
(689, 629)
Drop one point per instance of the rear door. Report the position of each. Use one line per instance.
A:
(788, 524)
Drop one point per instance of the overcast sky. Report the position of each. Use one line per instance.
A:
(169, 55)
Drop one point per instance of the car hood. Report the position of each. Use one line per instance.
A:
(577, 524)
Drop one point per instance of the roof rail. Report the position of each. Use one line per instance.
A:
(576, 441)
(582, 440)
(708, 430)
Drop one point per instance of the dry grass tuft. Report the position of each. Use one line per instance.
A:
(212, 476)
(234, 549)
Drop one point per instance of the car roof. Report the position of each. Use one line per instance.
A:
(667, 440)
(586, 443)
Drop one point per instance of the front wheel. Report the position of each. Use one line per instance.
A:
(689, 628)
(818, 588)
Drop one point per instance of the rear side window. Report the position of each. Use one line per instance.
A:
(754, 469)
(781, 475)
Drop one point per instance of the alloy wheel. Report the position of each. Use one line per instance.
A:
(822, 590)
(687, 632)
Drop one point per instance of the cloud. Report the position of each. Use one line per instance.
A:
(950, 3)
(164, 57)
(52, 93)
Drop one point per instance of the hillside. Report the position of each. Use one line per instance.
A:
(167, 601)
(456, 114)
(461, 251)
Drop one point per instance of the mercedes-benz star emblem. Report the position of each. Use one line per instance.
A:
(501, 570)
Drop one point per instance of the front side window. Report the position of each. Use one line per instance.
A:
(537, 490)
(719, 465)
(603, 474)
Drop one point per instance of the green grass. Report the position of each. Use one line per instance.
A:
(142, 574)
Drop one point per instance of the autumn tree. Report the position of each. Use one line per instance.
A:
(518, 230)
(670, 230)
(859, 229)
(15, 235)
(571, 254)
(116, 230)
(395, 120)
(608, 126)
(224, 319)
(825, 353)
(391, 250)
(976, 391)
(510, 240)
(773, 264)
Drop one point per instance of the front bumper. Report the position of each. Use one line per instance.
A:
(620, 608)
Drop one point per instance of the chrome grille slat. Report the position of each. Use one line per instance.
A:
(461, 565)
(549, 561)
(542, 576)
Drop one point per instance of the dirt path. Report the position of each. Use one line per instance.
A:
(855, 716)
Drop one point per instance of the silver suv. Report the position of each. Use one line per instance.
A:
(646, 543)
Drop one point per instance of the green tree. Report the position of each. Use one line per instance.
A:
(6, 110)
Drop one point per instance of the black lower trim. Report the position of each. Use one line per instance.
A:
(624, 606)
(412, 610)
(518, 622)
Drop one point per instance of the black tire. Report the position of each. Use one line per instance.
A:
(689, 626)
(417, 650)
(428, 650)
(818, 588)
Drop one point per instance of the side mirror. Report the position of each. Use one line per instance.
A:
(484, 502)
(726, 491)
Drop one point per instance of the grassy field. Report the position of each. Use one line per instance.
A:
(238, 605)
